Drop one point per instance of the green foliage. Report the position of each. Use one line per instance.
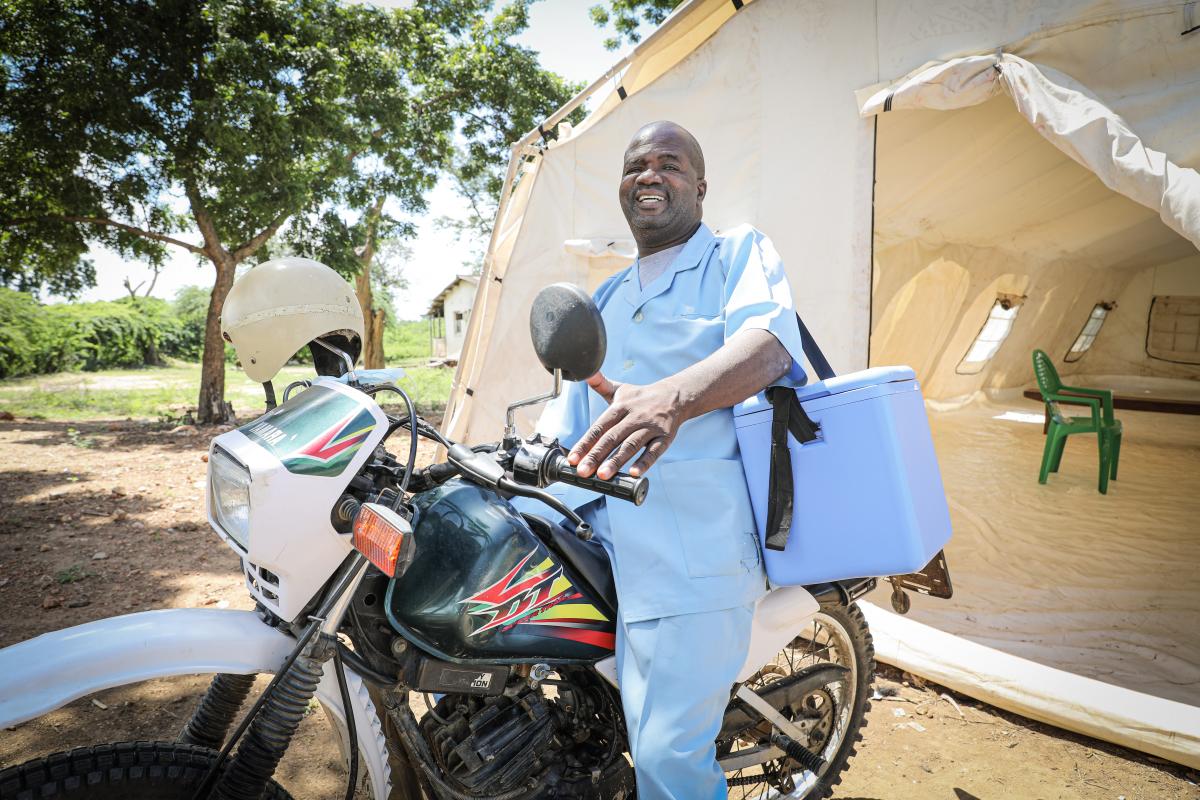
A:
(72, 574)
(79, 440)
(429, 388)
(104, 335)
(131, 332)
(407, 342)
(190, 308)
(251, 113)
(626, 16)
(492, 92)
(27, 339)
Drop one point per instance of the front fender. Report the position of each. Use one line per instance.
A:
(51, 670)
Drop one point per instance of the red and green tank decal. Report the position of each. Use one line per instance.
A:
(315, 433)
(543, 599)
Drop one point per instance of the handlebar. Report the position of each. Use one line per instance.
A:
(538, 464)
(621, 486)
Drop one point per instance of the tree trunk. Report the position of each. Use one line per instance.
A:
(212, 407)
(373, 318)
(150, 356)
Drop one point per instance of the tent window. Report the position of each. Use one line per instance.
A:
(1091, 329)
(1174, 330)
(995, 330)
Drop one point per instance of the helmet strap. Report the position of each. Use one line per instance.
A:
(269, 389)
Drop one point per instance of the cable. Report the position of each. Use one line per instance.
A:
(340, 584)
(365, 670)
(202, 789)
(432, 713)
(351, 724)
(412, 439)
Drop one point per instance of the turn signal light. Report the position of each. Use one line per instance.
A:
(384, 537)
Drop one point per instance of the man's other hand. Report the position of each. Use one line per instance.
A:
(603, 386)
(638, 418)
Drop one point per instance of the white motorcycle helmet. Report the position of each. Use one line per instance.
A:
(281, 305)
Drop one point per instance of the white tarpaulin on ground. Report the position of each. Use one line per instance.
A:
(1064, 183)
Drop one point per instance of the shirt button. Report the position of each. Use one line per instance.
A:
(628, 364)
(638, 317)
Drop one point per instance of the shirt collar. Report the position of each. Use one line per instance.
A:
(689, 258)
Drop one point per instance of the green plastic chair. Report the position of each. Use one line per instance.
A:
(1101, 422)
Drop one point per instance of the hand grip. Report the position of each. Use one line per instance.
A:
(621, 486)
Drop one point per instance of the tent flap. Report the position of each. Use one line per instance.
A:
(1068, 116)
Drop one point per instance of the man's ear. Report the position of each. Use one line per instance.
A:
(701, 189)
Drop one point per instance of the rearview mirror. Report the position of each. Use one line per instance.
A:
(567, 331)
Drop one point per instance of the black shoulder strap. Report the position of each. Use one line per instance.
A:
(813, 353)
(788, 416)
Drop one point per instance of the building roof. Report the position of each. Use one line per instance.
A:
(438, 304)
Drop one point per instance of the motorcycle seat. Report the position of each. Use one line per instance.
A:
(587, 560)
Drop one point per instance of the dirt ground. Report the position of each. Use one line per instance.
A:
(101, 519)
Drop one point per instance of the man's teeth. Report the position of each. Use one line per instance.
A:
(648, 199)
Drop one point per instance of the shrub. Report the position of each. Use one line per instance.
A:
(406, 341)
(190, 310)
(26, 337)
(103, 335)
(132, 332)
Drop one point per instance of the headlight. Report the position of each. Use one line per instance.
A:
(229, 491)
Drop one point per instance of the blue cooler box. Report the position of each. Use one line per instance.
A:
(867, 494)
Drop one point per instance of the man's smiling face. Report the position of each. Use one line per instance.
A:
(662, 186)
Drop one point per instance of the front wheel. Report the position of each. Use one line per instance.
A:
(832, 715)
(121, 771)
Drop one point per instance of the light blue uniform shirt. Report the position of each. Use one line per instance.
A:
(692, 545)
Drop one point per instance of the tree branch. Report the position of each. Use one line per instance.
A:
(367, 253)
(251, 246)
(208, 230)
(111, 223)
(157, 269)
(481, 222)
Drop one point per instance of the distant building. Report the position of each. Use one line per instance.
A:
(449, 314)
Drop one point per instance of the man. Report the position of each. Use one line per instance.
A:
(697, 324)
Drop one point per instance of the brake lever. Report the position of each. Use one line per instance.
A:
(582, 529)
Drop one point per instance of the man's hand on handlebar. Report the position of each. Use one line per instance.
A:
(638, 418)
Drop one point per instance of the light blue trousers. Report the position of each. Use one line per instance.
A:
(675, 674)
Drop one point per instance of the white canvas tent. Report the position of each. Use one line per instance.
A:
(915, 162)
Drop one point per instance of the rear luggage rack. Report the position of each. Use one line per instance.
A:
(840, 593)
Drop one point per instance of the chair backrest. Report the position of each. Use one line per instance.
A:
(1047, 376)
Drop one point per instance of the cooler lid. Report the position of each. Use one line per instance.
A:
(839, 384)
(855, 380)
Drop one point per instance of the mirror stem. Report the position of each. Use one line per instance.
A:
(349, 362)
(510, 417)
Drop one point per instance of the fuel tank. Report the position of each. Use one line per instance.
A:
(483, 587)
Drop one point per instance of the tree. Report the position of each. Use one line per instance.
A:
(512, 96)
(497, 92)
(626, 16)
(352, 248)
(207, 125)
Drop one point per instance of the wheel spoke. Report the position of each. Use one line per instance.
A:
(823, 713)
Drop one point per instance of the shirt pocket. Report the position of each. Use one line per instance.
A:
(701, 310)
(712, 512)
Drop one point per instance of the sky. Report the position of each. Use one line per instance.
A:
(560, 30)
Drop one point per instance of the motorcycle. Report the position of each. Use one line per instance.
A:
(378, 582)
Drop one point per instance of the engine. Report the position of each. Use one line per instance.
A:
(566, 742)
